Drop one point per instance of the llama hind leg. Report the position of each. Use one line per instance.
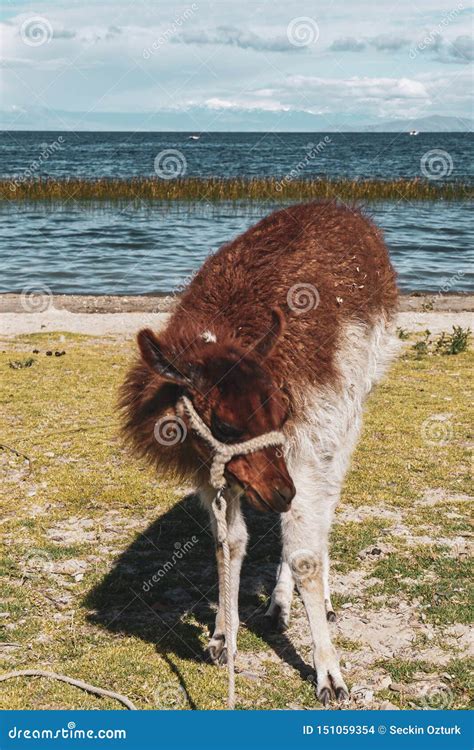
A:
(237, 537)
(279, 608)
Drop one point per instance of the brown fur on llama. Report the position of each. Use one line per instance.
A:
(286, 327)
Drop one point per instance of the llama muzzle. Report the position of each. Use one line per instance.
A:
(230, 456)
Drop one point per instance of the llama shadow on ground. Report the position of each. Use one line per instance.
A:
(163, 587)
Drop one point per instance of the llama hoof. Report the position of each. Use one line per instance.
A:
(277, 619)
(324, 696)
(222, 658)
(326, 693)
(329, 679)
(331, 616)
(342, 694)
(217, 649)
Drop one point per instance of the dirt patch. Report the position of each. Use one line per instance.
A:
(439, 496)
(76, 530)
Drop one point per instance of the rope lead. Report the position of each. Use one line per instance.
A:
(219, 507)
(222, 454)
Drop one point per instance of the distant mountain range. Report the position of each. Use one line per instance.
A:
(434, 124)
(202, 119)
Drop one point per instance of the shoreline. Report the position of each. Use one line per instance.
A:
(122, 317)
(11, 302)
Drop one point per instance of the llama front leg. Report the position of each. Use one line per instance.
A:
(305, 533)
(237, 538)
(326, 662)
(279, 608)
(330, 614)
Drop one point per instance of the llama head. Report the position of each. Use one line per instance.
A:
(234, 393)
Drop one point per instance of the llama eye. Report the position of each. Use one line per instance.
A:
(224, 432)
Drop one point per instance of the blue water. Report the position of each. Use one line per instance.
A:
(364, 155)
(130, 249)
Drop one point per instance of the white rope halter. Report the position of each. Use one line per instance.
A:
(223, 452)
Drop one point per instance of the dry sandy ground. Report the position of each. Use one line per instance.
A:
(124, 324)
(124, 316)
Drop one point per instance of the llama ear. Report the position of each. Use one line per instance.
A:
(154, 356)
(270, 338)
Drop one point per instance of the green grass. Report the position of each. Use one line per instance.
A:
(214, 189)
(84, 525)
(349, 538)
(451, 690)
(442, 585)
(445, 344)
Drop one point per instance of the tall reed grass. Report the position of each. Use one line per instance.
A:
(215, 189)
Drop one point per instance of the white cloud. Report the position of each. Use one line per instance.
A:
(235, 37)
(389, 42)
(381, 42)
(102, 57)
(348, 44)
(460, 49)
(363, 87)
(263, 105)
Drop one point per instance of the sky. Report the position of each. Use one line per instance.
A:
(227, 65)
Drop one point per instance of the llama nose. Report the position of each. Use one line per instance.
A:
(283, 496)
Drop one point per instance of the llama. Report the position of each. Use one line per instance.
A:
(286, 328)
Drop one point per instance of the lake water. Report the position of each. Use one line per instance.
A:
(130, 249)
